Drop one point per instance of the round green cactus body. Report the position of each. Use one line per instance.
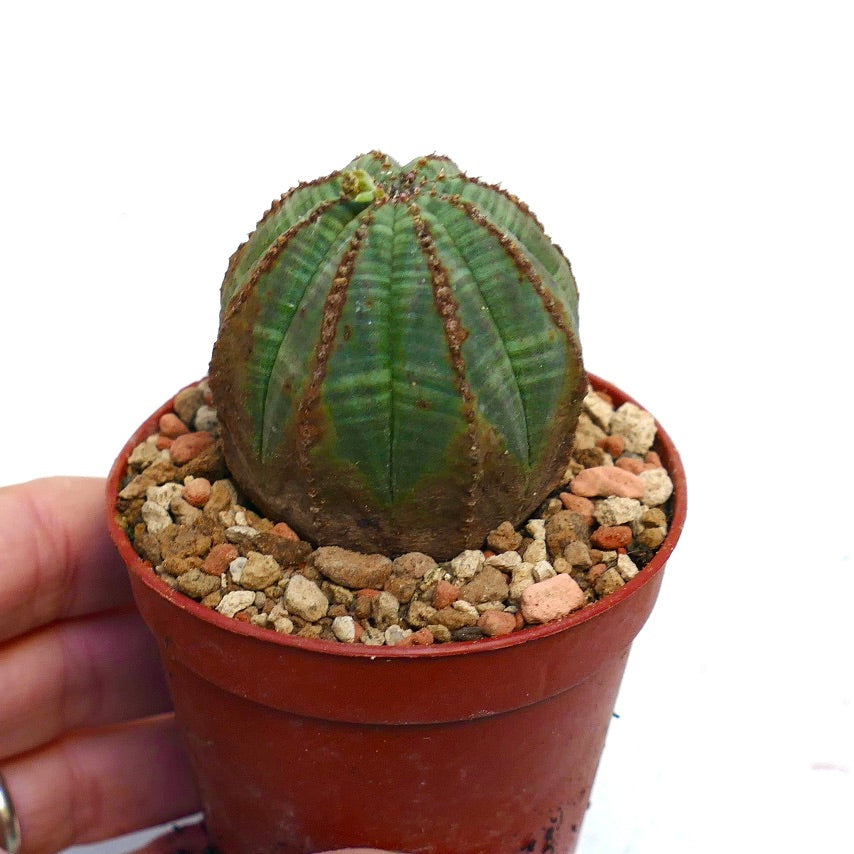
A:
(397, 367)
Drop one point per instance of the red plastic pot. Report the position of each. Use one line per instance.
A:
(486, 747)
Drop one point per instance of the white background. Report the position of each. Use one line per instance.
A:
(695, 163)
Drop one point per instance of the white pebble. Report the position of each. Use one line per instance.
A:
(536, 528)
(636, 426)
(504, 560)
(658, 487)
(626, 567)
(395, 634)
(465, 608)
(344, 628)
(206, 419)
(236, 567)
(535, 552)
(284, 625)
(155, 516)
(467, 564)
(163, 495)
(542, 570)
(523, 576)
(237, 533)
(305, 599)
(237, 600)
(599, 410)
(617, 511)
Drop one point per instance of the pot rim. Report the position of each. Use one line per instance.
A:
(145, 572)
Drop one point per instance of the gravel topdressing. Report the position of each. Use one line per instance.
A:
(187, 518)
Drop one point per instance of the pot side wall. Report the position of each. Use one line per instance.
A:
(487, 747)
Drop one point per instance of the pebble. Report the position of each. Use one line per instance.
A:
(504, 560)
(285, 531)
(636, 426)
(488, 585)
(613, 446)
(536, 528)
(187, 401)
(542, 570)
(197, 491)
(344, 628)
(171, 426)
(421, 614)
(453, 618)
(504, 538)
(395, 635)
(563, 528)
(626, 567)
(612, 537)
(205, 419)
(236, 601)
(444, 594)
(495, 623)
(587, 434)
(188, 446)
(305, 599)
(155, 516)
(618, 511)
(582, 506)
(219, 557)
(385, 609)
(197, 583)
(608, 581)
(652, 538)
(467, 564)
(577, 554)
(284, 625)
(240, 533)
(536, 551)
(658, 487)
(551, 599)
(351, 569)
(423, 637)
(605, 481)
(599, 408)
(523, 577)
(259, 571)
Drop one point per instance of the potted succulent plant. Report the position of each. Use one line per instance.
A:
(369, 639)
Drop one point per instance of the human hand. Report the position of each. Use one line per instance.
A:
(88, 745)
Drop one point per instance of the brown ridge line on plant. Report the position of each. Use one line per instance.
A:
(275, 205)
(522, 262)
(333, 307)
(455, 335)
(271, 255)
(526, 268)
(521, 205)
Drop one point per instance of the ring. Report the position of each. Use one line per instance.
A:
(10, 829)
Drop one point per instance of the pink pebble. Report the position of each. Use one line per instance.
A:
(190, 445)
(605, 481)
(493, 623)
(197, 491)
(632, 464)
(583, 506)
(444, 594)
(285, 531)
(551, 599)
(172, 426)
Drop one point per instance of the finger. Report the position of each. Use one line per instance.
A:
(98, 784)
(78, 673)
(56, 557)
